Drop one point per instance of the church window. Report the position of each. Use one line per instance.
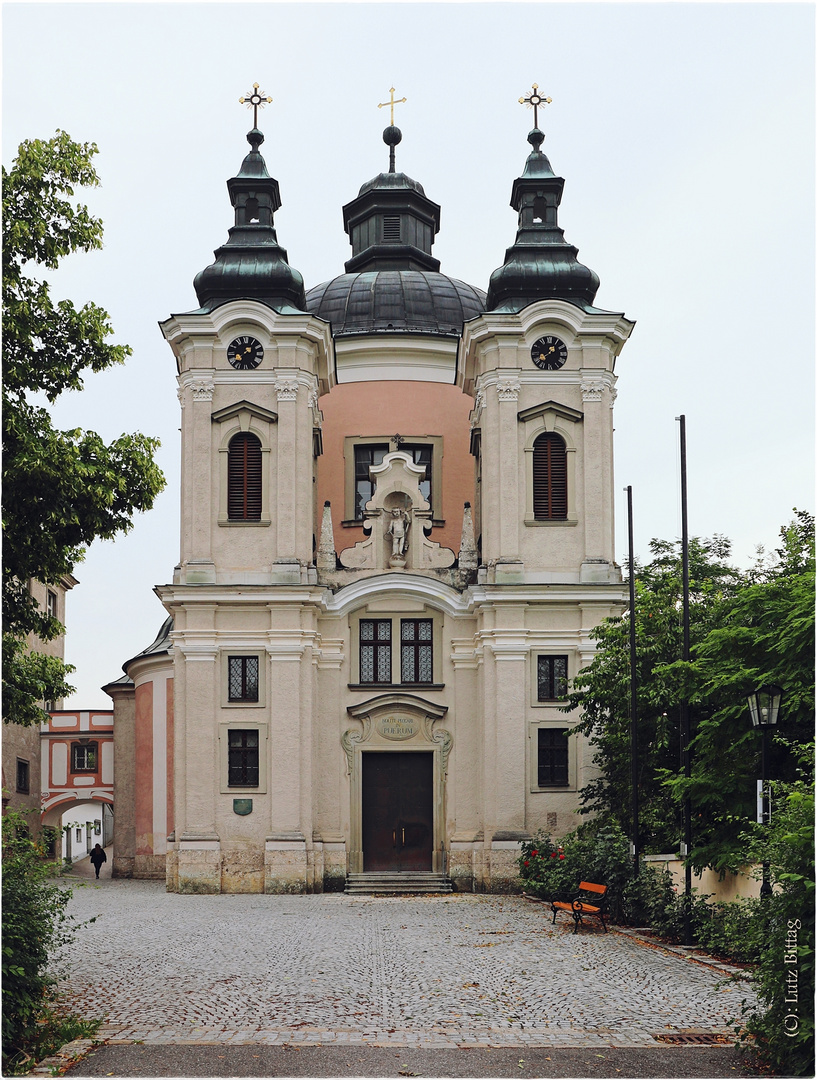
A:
(552, 757)
(242, 758)
(244, 478)
(421, 455)
(242, 674)
(549, 478)
(366, 455)
(22, 776)
(375, 650)
(391, 229)
(551, 678)
(416, 650)
(83, 757)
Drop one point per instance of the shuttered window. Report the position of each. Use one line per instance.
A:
(244, 478)
(549, 478)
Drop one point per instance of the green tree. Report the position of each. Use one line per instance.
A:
(603, 689)
(746, 629)
(61, 489)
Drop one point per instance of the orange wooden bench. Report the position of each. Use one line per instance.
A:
(592, 900)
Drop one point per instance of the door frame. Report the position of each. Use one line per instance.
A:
(393, 723)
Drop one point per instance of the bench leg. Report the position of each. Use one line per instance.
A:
(576, 919)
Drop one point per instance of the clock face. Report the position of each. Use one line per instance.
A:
(548, 353)
(245, 353)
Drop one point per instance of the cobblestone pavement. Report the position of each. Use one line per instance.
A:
(444, 971)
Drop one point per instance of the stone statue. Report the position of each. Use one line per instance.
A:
(398, 531)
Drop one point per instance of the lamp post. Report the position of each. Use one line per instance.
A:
(764, 706)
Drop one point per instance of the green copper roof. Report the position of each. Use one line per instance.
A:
(252, 264)
(541, 264)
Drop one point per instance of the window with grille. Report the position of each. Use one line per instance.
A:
(242, 758)
(549, 478)
(391, 229)
(244, 478)
(83, 757)
(22, 776)
(552, 763)
(551, 678)
(375, 650)
(365, 456)
(242, 677)
(415, 651)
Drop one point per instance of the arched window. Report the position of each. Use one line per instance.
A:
(244, 478)
(549, 478)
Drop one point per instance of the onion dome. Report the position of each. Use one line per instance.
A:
(541, 264)
(392, 281)
(252, 264)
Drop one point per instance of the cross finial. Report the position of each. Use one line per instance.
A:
(391, 103)
(255, 100)
(533, 100)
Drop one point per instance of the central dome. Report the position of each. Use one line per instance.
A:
(413, 301)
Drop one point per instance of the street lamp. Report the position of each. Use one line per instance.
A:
(764, 705)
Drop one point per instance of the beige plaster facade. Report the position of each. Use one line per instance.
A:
(373, 643)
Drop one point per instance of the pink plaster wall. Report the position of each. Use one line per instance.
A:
(143, 794)
(412, 409)
(171, 825)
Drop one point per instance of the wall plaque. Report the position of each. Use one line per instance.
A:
(242, 807)
(397, 727)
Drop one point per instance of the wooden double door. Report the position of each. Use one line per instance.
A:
(398, 811)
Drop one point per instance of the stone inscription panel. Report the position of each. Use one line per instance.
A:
(397, 727)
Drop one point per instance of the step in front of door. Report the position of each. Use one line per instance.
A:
(397, 882)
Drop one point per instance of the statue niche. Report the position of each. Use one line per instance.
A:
(397, 521)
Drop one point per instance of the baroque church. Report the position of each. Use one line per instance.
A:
(397, 537)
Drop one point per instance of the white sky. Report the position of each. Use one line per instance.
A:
(685, 133)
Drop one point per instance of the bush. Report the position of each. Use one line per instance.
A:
(597, 851)
(35, 925)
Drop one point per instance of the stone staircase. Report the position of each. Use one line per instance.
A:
(409, 881)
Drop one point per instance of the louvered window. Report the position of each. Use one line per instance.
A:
(244, 478)
(375, 650)
(391, 229)
(549, 478)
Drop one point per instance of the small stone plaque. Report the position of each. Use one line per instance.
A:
(397, 727)
(242, 807)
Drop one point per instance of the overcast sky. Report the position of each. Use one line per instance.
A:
(685, 133)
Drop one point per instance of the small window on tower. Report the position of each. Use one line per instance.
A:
(244, 478)
(252, 211)
(538, 211)
(242, 673)
(391, 229)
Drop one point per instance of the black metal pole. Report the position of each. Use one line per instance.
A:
(685, 730)
(633, 690)
(765, 887)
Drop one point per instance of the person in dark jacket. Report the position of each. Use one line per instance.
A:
(98, 857)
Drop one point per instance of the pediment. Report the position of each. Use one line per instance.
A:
(564, 411)
(232, 411)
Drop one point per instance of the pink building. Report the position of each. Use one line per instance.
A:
(77, 773)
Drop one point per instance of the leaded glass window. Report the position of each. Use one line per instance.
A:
(242, 758)
(375, 650)
(551, 678)
(552, 771)
(366, 455)
(242, 676)
(415, 650)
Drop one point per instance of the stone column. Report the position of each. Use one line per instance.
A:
(197, 511)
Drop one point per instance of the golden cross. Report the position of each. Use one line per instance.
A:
(391, 103)
(254, 100)
(534, 100)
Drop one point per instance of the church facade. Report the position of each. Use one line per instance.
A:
(397, 537)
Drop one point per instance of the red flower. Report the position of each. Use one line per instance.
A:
(561, 856)
(527, 862)
(534, 852)
(553, 855)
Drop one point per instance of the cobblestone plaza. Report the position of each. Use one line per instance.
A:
(440, 971)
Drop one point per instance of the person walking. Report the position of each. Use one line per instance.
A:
(98, 857)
